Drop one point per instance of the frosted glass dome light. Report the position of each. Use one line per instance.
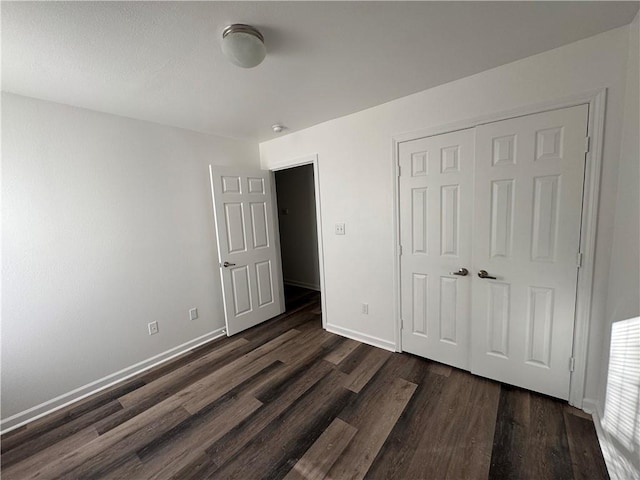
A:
(243, 45)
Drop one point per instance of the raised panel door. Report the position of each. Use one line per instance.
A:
(435, 217)
(245, 229)
(527, 211)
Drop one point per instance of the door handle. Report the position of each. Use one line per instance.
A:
(227, 264)
(485, 274)
(463, 272)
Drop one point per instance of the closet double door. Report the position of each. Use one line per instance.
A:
(490, 231)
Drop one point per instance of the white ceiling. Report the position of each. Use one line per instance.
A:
(162, 62)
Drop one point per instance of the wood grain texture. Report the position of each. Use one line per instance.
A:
(194, 369)
(38, 443)
(466, 434)
(343, 351)
(186, 442)
(530, 437)
(586, 458)
(49, 454)
(129, 467)
(385, 407)
(401, 445)
(369, 366)
(316, 462)
(291, 433)
(63, 417)
(277, 401)
(287, 399)
(220, 381)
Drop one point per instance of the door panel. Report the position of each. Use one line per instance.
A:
(528, 203)
(435, 218)
(501, 235)
(234, 223)
(265, 283)
(259, 225)
(499, 297)
(245, 229)
(241, 290)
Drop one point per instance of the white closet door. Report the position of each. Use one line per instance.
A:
(527, 212)
(249, 259)
(436, 178)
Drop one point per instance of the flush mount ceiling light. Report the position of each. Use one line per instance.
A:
(277, 128)
(243, 45)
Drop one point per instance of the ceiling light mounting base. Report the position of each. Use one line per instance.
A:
(243, 45)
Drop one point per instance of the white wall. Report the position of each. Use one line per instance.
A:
(623, 300)
(107, 225)
(298, 236)
(356, 174)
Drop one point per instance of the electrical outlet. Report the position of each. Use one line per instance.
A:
(193, 314)
(153, 328)
(365, 308)
(340, 230)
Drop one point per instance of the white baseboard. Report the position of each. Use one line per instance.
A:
(361, 337)
(66, 399)
(618, 467)
(589, 406)
(603, 436)
(295, 283)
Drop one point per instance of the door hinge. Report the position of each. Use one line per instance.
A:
(587, 144)
(579, 260)
(399, 170)
(572, 364)
(400, 249)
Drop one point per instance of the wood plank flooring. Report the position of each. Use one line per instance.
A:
(289, 400)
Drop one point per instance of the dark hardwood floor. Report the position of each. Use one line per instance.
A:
(289, 400)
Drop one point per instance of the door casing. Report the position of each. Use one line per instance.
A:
(596, 100)
(297, 162)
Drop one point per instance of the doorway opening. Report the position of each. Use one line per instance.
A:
(297, 224)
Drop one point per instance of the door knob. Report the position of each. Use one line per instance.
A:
(227, 264)
(463, 272)
(485, 274)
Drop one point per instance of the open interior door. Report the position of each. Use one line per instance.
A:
(247, 249)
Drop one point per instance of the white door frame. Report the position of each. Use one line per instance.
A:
(596, 99)
(298, 162)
